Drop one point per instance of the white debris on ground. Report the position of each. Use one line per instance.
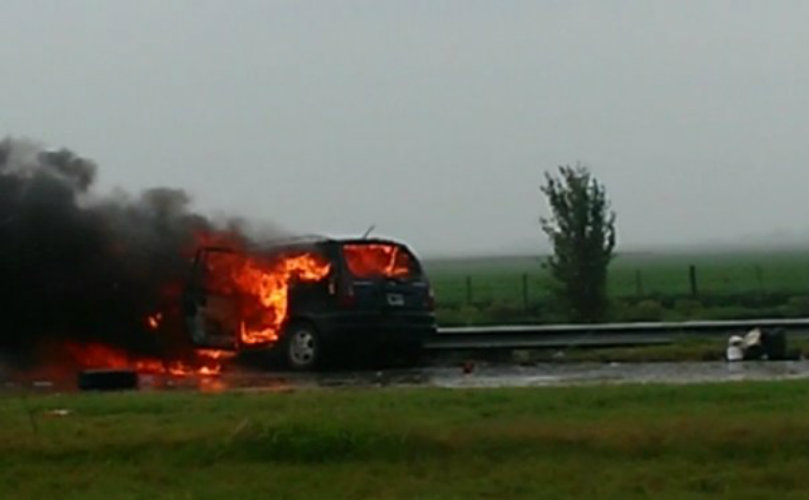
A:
(735, 350)
(757, 344)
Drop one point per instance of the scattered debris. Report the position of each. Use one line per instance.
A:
(735, 350)
(758, 344)
(57, 412)
(239, 428)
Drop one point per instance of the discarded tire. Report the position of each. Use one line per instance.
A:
(108, 380)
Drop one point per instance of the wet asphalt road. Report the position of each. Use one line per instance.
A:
(494, 375)
(479, 375)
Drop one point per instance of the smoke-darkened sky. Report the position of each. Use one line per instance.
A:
(433, 120)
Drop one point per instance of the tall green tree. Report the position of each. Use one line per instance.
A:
(581, 229)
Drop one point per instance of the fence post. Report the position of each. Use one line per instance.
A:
(525, 291)
(468, 290)
(692, 276)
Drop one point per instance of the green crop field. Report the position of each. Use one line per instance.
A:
(730, 284)
(732, 440)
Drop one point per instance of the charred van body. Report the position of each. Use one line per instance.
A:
(311, 300)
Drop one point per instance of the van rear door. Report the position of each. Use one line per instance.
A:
(385, 276)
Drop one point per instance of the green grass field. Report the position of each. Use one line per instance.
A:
(733, 440)
(740, 284)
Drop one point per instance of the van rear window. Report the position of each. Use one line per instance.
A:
(372, 260)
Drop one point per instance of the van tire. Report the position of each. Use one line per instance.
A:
(302, 347)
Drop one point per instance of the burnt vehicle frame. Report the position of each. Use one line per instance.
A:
(341, 316)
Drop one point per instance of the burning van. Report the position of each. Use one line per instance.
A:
(310, 298)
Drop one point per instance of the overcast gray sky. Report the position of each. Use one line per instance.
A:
(433, 120)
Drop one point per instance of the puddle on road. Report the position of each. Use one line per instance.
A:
(592, 373)
(485, 375)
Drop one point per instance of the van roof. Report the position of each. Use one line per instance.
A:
(311, 240)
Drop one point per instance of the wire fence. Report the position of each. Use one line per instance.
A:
(529, 289)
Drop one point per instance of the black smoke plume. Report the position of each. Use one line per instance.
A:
(81, 267)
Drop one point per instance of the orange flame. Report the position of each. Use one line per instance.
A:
(153, 320)
(377, 259)
(263, 288)
(95, 355)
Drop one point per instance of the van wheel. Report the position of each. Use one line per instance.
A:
(302, 346)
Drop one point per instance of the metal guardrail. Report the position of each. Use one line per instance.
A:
(491, 342)
(645, 327)
(594, 335)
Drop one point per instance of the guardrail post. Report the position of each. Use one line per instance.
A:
(692, 276)
(759, 280)
(638, 283)
(525, 291)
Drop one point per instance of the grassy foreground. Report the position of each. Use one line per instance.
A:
(736, 440)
